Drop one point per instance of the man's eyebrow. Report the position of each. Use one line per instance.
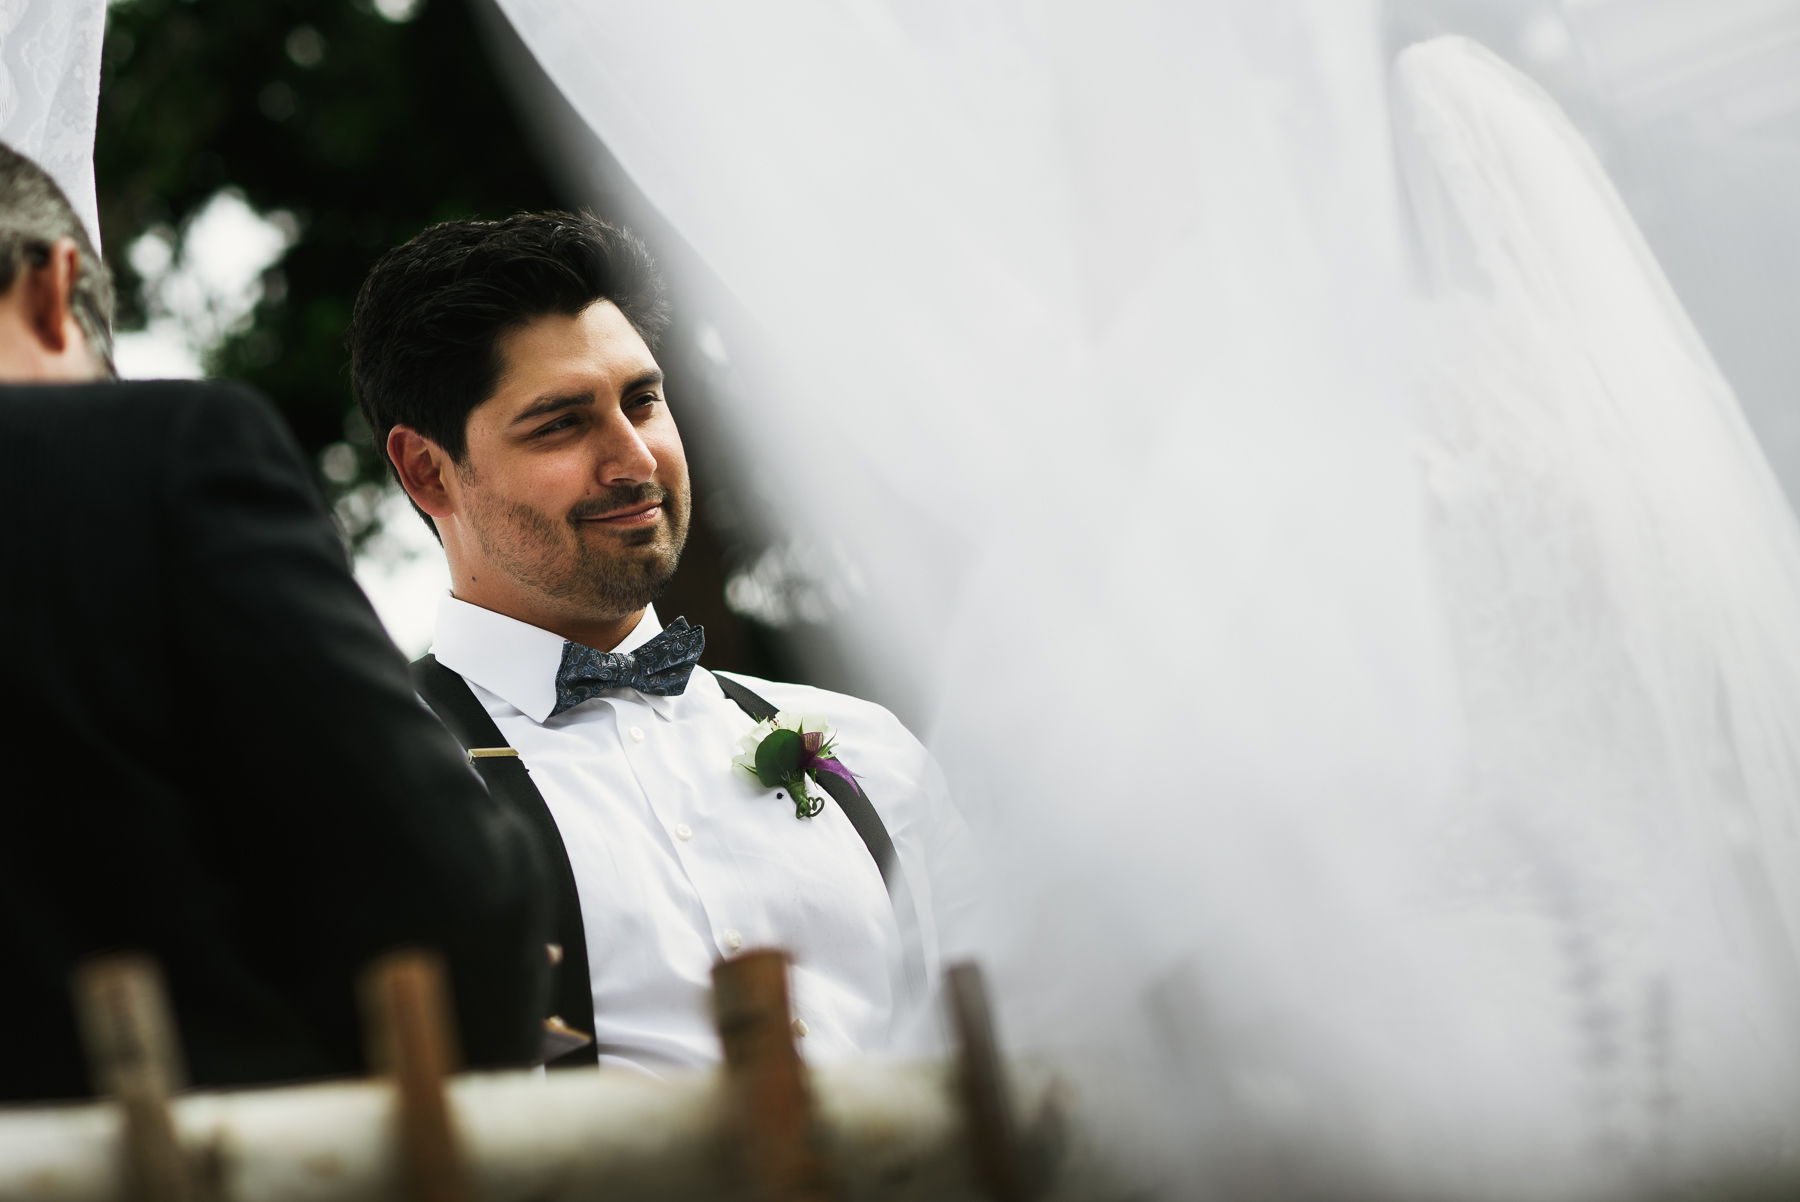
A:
(556, 403)
(552, 404)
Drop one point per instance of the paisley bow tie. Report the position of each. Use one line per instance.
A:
(661, 666)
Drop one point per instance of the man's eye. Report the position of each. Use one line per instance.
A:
(649, 398)
(561, 423)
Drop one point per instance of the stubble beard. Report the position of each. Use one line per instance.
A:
(595, 574)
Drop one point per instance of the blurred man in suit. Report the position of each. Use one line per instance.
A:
(215, 754)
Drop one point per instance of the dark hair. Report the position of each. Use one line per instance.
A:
(424, 341)
(33, 214)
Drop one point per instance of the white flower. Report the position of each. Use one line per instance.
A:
(748, 745)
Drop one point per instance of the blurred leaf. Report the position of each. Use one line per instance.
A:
(366, 130)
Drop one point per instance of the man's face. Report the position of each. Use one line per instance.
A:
(574, 482)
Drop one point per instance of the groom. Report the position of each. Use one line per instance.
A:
(507, 368)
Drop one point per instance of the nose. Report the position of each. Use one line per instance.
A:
(624, 456)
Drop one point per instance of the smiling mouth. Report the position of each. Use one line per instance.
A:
(645, 514)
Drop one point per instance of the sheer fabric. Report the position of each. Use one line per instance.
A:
(1622, 577)
(1378, 706)
(50, 91)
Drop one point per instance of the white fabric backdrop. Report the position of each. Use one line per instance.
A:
(1436, 835)
(1622, 574)
(50, 91)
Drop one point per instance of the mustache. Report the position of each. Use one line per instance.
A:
(621, 497)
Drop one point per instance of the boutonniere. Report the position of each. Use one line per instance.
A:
(784, 751)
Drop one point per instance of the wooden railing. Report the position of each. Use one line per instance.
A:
(765, 1128)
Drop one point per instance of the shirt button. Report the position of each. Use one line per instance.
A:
(683, 831)
(800, 1027)
(636, 733)
(555, 953)
(733, 939)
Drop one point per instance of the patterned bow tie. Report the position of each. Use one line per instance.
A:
(661, 666)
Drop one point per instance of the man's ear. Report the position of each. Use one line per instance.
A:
(422, 467)
(50, 294)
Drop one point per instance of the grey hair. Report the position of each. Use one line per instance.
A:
(34, 213)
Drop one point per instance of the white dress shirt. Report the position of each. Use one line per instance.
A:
(680, 860)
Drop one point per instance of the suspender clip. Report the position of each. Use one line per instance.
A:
(488, 753)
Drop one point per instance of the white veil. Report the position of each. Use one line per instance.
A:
(50, 90)
(1375, 711)
(1622, 575)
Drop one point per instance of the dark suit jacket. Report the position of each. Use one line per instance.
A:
(213, 753)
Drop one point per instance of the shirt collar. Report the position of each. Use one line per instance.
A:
(515, 660)
(648, 627)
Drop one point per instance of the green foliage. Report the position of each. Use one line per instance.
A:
(778, 758)
(365, 129)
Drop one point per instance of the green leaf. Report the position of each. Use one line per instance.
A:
(778, 757)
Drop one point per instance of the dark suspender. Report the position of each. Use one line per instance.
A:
(850, 798)
(861, 813)
(572, 990)
(509, 781)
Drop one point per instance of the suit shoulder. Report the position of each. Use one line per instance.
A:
(224, 418)
(140, 393)
(139, 405)
(218, 400)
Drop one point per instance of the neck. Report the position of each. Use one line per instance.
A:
(600, 633)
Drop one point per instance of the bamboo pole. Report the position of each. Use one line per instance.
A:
(134, 1056)
(777, 1151)
(411, 1039)
(766, 1127)
(894, 1131)
(992, 1129)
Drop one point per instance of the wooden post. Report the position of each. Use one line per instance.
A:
(411, 1038)
(993, 1133)
(134, 1054)
(779, 1151)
